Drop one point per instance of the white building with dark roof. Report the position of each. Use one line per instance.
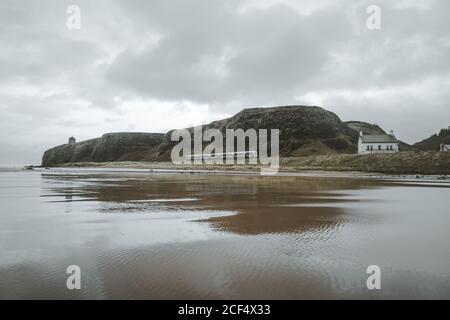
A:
(378, 143)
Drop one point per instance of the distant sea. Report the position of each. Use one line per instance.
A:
(11, 168)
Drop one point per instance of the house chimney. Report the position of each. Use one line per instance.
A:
(392, 133)
(360, 133)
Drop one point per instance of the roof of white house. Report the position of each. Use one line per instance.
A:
(379, 138)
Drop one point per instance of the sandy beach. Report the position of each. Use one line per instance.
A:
(172, 235)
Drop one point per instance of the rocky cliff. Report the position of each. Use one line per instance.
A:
(132, 146)
(304, 131)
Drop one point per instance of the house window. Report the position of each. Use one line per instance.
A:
(368, 148)
(379, 147)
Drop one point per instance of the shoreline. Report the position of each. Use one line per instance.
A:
(168, 167)
(402, 163)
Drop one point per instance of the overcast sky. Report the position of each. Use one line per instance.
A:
(155, 65)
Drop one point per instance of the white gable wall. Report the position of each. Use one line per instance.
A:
(374, 147)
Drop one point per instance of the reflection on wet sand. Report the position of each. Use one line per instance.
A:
(260, 205)
(178, 236)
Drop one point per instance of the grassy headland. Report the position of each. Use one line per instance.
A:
(417, 162)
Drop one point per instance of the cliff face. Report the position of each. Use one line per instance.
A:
(131, 146)
(303, 131)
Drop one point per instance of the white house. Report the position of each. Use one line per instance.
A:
(379, 143)
(445, 147)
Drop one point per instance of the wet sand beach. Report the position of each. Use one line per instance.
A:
(142, 235)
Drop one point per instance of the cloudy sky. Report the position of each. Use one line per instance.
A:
(155, 65)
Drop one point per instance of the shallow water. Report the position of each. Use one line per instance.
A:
(182, 236)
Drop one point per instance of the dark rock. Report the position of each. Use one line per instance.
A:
(131, 146)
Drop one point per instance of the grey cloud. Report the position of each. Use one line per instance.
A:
(271, 51)
(277, 53)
